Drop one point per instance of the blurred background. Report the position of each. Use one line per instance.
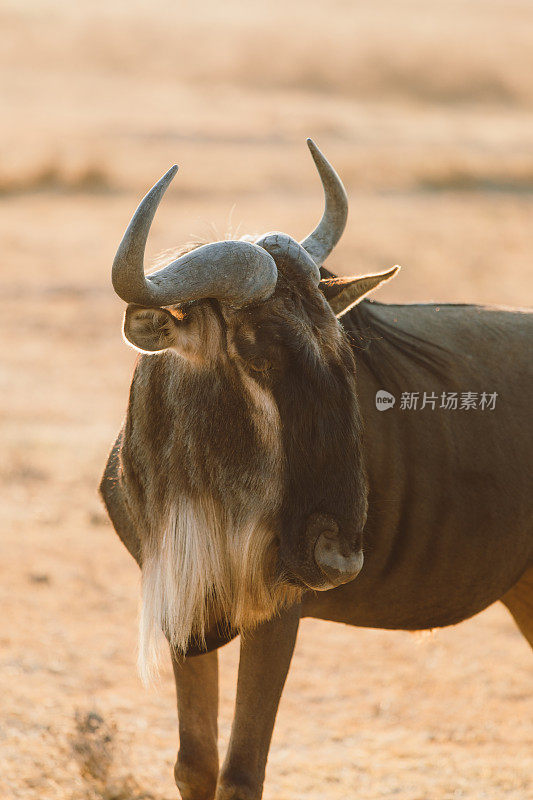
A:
(426, 110)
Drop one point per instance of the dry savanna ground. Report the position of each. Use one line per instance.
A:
(426, 109)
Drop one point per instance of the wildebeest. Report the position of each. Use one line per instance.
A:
(255, 465)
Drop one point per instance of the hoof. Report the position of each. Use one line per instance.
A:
(195, 781)
(230, 790)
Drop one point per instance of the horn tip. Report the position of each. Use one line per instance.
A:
(316, 153)
(164, 182)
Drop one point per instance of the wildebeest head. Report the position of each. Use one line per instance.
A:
(256, 415)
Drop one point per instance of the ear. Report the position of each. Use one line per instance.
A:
(150, 329)
(344, 293)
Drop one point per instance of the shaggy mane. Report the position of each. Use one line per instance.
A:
(387, 350)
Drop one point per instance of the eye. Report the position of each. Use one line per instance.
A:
(259, 364)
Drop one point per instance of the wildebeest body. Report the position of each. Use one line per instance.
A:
(449, 527)
(450, 521)
(253, 454)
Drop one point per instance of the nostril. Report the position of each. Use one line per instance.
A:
(330, 536)
(322, 525)
(327, 550)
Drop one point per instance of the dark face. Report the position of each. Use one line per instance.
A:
(290, 360)
(294, 349)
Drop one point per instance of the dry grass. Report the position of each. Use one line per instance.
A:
(427, 110)
(94, 747)
(51, 178)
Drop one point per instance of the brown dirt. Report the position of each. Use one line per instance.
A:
(427, 111)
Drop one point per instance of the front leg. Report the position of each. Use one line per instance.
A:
(265, 657)
(196, 769)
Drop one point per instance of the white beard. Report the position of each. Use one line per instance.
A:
(204, 566)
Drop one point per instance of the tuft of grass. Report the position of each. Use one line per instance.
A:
(94, 746)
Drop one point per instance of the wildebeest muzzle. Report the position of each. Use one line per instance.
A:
(331, 559)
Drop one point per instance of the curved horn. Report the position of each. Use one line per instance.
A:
(283, 247)
(323, 239)
(233, 271)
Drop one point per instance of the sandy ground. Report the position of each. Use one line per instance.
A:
(426, 109)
